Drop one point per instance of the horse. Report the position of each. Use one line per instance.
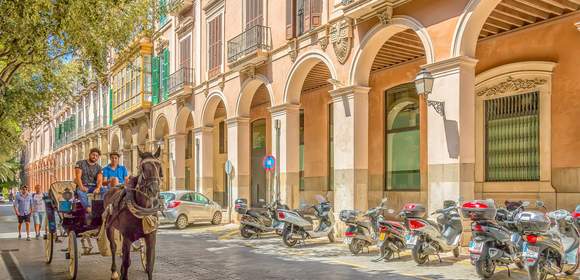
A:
(126, 209)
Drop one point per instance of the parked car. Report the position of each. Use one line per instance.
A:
(186, 207)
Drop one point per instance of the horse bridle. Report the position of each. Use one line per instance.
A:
(148, 181)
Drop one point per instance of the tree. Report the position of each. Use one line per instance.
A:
(49, 47)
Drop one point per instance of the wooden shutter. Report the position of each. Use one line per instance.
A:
(315, 13)
(290, 11)
(185, 52)
(253, 13)
(165, 74)
(155, 79)
(306, 15)
(219, 40)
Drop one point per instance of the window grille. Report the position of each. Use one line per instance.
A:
(512, 138)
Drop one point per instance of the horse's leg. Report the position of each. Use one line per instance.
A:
(126, 258)
(150, 240)
(113, 245)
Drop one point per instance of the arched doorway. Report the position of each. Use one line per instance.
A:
(161, 140)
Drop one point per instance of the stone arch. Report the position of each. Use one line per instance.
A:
(161, 127)
(143, 135)
(299, 72)
(376, 37)
(469, 26)
(210, 105)
(249, 88)
(181, 120)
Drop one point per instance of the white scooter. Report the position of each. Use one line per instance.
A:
(299, 227)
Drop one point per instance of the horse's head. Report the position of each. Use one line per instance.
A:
(150, 173)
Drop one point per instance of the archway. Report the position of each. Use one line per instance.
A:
(161, 132)
(388, 60)
(184, 145)
(127, 151)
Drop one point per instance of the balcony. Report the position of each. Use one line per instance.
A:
(250, 47)
(178, 6)
(134, 104)
(181, 81)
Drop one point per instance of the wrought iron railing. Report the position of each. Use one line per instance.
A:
(252, 39)
(179, 79)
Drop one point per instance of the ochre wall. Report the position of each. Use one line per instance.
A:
(555, 41)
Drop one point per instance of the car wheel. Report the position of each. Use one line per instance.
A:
(181, 222)
(217, 218)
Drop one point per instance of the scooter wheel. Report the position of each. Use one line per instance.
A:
(287, 238)
(484, 268)
(245, 233)
(356, 246)
(418, 255)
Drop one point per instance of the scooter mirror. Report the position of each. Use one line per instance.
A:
(383, 201)
(539, 203)
(526, 204)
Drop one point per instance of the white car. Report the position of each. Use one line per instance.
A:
(185, 207)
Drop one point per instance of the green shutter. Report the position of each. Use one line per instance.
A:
(155, 79)
(162, 12)
(110, 106)
(165, 74)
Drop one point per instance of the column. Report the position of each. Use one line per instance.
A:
(351, 124)
(239, 154)
(451, 136)
(204, 160)
(177, 161)
(134, 154)
(286, 127)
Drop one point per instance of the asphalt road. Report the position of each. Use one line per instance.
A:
(217, 252)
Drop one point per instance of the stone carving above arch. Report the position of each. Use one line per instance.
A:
(341, 39)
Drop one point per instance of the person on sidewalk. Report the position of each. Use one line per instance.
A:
(23, 208)
(114, 173)
(38, 211)
(88, 177)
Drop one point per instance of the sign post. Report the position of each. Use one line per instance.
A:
(268, 163)
(228, 168)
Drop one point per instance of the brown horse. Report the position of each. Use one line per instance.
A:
(142, 194)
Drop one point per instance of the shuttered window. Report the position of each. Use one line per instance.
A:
(302, 16)
(164, 75)
(215, 46)
(185, 52)
(512, 138)
(155, 79)
(254, 13)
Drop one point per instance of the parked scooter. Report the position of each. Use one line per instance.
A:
(299, 227)
(255, 222)
(551, 242)
(492, 244)
(391, 238)
(576, 215)
(431, 238)
(362, 230)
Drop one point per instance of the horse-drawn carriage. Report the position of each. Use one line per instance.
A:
(61, 203)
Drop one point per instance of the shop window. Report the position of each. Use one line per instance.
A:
(402, 139)
(512, 138)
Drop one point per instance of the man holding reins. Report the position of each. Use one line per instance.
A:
(88, 177)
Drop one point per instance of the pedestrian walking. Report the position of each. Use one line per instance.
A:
(38, 211)
(23, 209)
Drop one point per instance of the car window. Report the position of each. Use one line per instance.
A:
(187, 197)
(201, 199)
(167, 196)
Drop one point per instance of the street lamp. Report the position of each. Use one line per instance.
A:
(424, 87)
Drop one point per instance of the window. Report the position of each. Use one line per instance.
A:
(162, 12)
(301, 152)
(185, 52)
(302, 16)
(189, 145)
(222, 137)
(164, 78)
(512, 138)
(201, 199)
(402, 139)
(254, 13)
(215, 46)
(330, 147)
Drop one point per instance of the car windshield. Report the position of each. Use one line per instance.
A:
(167, 196)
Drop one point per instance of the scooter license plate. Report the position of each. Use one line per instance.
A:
(347, 240)
(411, 240)
(382, 236)
(475, 247)
(530, 251)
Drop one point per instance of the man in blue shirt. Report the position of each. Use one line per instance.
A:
(23, 208)
(114, 173)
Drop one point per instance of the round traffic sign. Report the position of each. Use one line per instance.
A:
(228, 167)
(269, 162)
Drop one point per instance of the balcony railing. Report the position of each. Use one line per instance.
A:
(179, 79)
(253, 39)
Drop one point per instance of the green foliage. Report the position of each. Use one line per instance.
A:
(49, 48)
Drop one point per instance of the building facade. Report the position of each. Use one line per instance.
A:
(327, 87)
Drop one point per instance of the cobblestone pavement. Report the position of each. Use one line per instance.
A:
(217, 252)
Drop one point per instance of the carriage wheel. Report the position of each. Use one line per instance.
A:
(73, 261)
(143, 253)
(48, 247)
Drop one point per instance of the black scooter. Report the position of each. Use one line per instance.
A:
(255, 222)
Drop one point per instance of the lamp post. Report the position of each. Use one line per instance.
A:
(424, 86)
